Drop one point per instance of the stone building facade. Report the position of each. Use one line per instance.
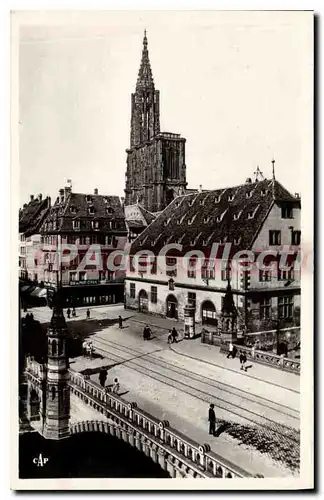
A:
(78, 236)
(199, 236)
(156, 169)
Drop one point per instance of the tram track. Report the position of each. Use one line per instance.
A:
(232, 408)
(208, 380)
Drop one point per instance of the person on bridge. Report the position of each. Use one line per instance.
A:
(243, 360)
(88, 313)
(68, 312)
(116, 386)
(120, 322)
(230, 351)
(212, 420)
(102, 377)
(174, 335)
(147, 333)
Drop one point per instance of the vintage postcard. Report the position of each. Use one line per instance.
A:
(162, 195)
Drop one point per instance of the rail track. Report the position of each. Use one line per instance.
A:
(240, 410)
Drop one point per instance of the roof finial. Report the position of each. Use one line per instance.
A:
(273, 161)
(145, 78)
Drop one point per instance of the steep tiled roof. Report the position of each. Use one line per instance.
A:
(198, 220)
(86, 209)
(32, 215)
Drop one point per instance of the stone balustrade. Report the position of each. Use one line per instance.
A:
(176, 453)
(278, 361)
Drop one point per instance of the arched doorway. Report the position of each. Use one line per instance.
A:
(142, 301)
(208, 314)
(172, 307)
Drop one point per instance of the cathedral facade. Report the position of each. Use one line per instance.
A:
(156, 169)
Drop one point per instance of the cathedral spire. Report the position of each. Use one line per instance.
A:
(145, 77)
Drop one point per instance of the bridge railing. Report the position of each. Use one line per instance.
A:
(272, 359)
(198, 456)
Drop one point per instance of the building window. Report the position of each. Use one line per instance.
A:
(192, 299)
(208, 270)
(76, 224)
(82, 276)
(110, 210)
(132, 290)
(265, 308)
(285, 275)
(154, 294)
(226, 271)
(95, 224)
(108, 241)
(286, 212)
(295, 237)
(285, 307)
(88, 198)
(191, 272)
(171, 262)
(265, 275)
(274, 237)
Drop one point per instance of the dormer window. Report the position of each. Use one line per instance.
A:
(190, 221)
(205, 243)
(190, 202)
(95, 224)
(263, 192)
(250, 214)
(88, 198)
(91, 210)
(76, 224)
(73, 209)
(217, 198)
(230, 197)
(237, 216)
(110, 210)
(206, 219)
(237, 241)
(249, 194)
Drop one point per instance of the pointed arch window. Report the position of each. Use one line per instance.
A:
(54, 348)
(53, 393)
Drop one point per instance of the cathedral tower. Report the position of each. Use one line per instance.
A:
(57, 412)
(156, 170)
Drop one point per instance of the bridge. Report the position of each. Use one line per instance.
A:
(108, 413)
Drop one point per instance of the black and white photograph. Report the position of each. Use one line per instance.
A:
(163, 183)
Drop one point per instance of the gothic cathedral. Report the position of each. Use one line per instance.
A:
(156, 169)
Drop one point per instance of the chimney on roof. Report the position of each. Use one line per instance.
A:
(95, 191)
(200, 188)
(31, 197)
(25, 205)
(297, 195)
(248, 180)
(61, 198)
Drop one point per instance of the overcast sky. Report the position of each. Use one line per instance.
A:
(236, 85)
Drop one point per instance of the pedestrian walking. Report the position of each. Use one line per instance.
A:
(174, 335)
(73, 312)
(120, 322)
(170, 339)
(68, 312)
(212, 420)
(85, 348)
(230, 350)
(146, 333)
(102, 377)
(116, 386)
(88, 313)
